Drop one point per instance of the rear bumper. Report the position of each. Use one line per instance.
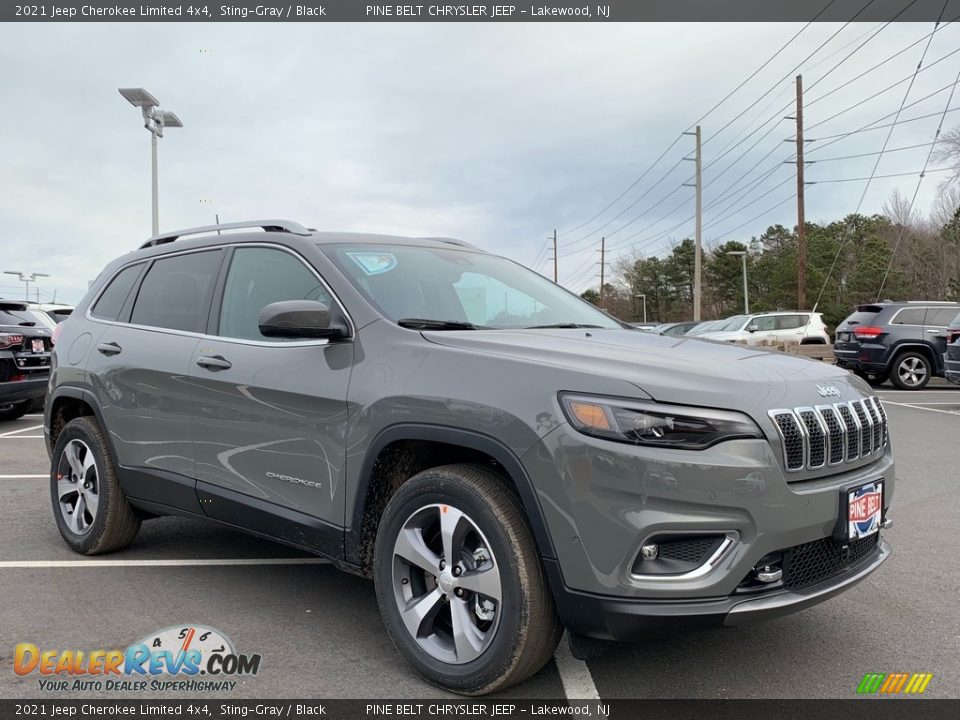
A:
(609, 618)
(32, 389)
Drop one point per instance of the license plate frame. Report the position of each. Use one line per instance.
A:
(861, 509)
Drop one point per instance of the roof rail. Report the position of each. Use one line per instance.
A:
(288, 226)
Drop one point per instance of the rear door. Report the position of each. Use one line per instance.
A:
(791, 328)
(271, 414)
(140, 368)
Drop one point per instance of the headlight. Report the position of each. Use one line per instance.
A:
(652, 424)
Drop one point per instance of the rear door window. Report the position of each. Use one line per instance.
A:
(764, 324)
(909, 316)
(176, 291)
(791, 322)
(110, 303)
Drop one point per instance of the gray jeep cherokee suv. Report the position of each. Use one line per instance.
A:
(503, 459)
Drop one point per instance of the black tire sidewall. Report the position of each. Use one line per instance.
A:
(82, 429)
(427, 489)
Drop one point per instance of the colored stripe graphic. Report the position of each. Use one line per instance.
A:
(894, 683)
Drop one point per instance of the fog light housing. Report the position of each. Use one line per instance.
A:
(650, 552)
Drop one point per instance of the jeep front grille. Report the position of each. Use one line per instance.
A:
(812, 437)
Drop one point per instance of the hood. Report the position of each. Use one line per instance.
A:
(679, 370)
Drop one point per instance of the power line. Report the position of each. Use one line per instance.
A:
(923, 172)
(716, 106)
(881, 177)
(871, 154)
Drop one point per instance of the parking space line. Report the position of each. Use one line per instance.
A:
(14, 432)
(919, 407)
(574, 674)
(23, 477)
(187, 562)
(22, 437)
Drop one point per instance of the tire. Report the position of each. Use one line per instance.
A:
(107, 522)
(14, 411)
(911, 371)
(515, 637)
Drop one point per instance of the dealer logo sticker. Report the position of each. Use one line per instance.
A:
(181, 658)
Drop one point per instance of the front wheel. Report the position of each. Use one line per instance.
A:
(459, 582)
(911, 371)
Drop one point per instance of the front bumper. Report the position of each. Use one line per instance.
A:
(611, 618)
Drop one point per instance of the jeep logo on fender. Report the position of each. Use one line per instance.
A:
(828, 391)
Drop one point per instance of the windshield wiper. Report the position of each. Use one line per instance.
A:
(562, 326)
(427, 324)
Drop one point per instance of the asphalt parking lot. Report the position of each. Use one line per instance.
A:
(319, 633)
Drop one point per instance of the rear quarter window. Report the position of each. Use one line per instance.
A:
(110, 302)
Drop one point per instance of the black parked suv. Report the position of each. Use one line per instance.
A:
(901, 341)
(24, 359)
(951, 359)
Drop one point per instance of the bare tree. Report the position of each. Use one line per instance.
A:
(947, 153)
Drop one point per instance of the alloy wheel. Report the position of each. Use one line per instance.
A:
(912, 371)
(78, 486)
(446, 583)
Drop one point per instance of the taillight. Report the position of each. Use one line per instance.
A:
(953, 334)
(9, 340)
(56, 333)
(867, 333)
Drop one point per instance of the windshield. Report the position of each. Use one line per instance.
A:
(734, 323)
(472, 289)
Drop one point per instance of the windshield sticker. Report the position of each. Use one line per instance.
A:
(374, 263)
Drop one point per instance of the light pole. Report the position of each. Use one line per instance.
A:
(746, 299)
(26, 279)
(641, 295)
(154, 120)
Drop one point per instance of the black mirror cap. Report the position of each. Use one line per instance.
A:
(301, 319)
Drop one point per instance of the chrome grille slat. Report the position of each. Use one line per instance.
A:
(830, 435)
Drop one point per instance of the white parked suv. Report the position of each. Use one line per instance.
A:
(771, 328)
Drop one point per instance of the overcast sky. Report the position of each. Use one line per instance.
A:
(493, 133)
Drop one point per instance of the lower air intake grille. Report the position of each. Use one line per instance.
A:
(813, 562)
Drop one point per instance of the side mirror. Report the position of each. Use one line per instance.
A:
(751, 328)
(301, 319)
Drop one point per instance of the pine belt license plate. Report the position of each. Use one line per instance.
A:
(36, 345)
(864, 508)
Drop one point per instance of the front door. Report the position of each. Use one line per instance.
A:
(271, 415)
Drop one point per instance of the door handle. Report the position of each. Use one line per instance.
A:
(935, 332)
(109, 348)
(214, 362)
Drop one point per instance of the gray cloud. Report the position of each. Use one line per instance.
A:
(493, 133)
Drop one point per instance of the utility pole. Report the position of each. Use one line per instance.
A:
(698, 251)
(554, 255)
(603, 255)
(801, 223)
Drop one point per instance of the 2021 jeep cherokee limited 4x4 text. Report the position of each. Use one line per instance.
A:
(502, 458)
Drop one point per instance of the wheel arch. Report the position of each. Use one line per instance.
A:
(65, 404)
(925, 349)
(376, 484)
